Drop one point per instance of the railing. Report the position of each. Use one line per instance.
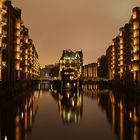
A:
(4, 33)
(3, 20)
(3, 9)
(95, 79)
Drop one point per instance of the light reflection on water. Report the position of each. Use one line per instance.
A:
(71, 113)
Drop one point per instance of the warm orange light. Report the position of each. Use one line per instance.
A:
(135, 25)
(18, 33)
(26, 51)
(26, 39)
(135, 67)
(17, 55)
(121, 70)
(135, 33)
(121, 52)
(121, 62)
(18, 22)
(135, 49)
(136, 41)
(18, 41)
(134, 15)
(17, 48)
(121, 40)
(121, 57)
(121, 46)
(120, 33)
(136, 57)
(17, 66)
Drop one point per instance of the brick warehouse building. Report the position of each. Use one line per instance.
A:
(18, 56)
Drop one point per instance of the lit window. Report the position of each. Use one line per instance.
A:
(121, 46)
(134, 15)
(135, 67)
(136, 33)
(135, 49)
(121, 52)
(136, 56)
(136, 41)
(18, 24)
(121, 63)
(121, 40)
(135, 25)
(121, 57)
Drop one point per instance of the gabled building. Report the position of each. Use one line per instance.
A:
(70, 65)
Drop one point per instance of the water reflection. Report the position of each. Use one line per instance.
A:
(70, 102)
(91, 107)
(17, 116)
(122, 110)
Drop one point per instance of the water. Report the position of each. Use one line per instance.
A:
(91, 113)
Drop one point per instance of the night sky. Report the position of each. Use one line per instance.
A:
(88, 25)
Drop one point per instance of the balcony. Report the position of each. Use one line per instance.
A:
(3, 21)
(3, 47)
(3, 10)
(4, 34)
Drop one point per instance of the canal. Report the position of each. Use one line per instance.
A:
(91, 112)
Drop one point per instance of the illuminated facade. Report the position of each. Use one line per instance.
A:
(30, 68)
(3, 33)
(115, 57)
(123, 56)
(70, 65)
(109, 59)
(18, 56)
(125, 53)
(102, 67)
(90, 70)
(135, 20)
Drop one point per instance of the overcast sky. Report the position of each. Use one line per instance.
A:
(88, 25)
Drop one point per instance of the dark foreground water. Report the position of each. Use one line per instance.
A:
(90, 113)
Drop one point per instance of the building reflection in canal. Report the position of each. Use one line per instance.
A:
(122, 110)
(70, 102)
(17, 116)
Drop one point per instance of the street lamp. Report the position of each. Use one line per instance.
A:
(3, 65)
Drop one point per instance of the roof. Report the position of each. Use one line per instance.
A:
(69, 54)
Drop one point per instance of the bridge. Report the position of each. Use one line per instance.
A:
(95, 79)
(45, 79)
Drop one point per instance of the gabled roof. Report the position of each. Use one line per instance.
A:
(70, 55)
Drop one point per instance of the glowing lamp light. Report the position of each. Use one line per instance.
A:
(130, 115)
(5, 138)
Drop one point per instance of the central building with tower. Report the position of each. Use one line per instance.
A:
(70, 65)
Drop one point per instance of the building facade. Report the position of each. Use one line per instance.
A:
(70, 65)
(123, 55)
(3, 33)
(18, 56)
(90, 71)
(135, 21)
(102, 67)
